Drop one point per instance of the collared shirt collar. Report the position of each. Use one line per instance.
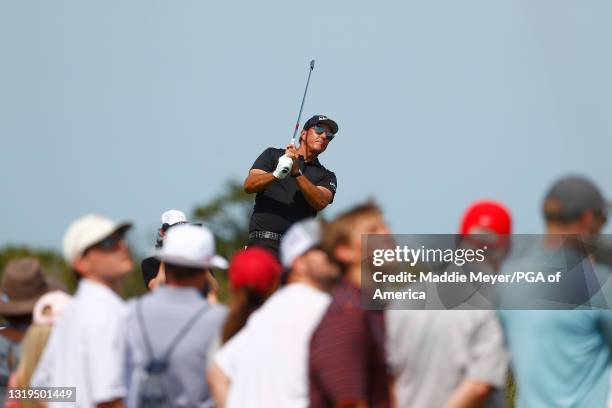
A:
(179, 294)
(89, 289)
(89, 286)
(315, 161)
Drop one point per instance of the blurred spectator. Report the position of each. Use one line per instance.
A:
(265, 364)
(87, 346)
(47, 311)
(152, 269)
(561, 358)
(488, 223)
(453, 358)
(347, 350)
(254, 275)
(170, 329)
(603, 253)
(23, 283)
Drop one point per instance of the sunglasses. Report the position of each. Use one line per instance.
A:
(320, 130)
(111, 243)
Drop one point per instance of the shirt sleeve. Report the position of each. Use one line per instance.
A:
(266, 161)
(329, 182)
(228, 357)
(106, 358)
(488, 356)
(339, 364)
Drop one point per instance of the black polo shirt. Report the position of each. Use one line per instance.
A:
(282, 203)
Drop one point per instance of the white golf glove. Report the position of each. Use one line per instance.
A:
(283, 168)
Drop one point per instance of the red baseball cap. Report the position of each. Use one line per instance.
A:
(254, 267)
(487, 215)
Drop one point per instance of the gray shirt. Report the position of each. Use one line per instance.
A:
(431, 352)
(165, 312)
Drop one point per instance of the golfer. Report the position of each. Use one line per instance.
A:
(291, 184)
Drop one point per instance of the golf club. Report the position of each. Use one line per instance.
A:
(297, 124)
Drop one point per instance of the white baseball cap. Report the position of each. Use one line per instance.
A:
(299, 239)
(87, 231)
(172, 217)
(192, 246)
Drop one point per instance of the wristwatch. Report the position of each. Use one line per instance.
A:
(298, 174)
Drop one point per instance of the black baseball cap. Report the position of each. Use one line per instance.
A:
(316, 119)
(570, 196)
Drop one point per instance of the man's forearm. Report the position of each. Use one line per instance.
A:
(255, 182)
(313, 195)
(218, 383)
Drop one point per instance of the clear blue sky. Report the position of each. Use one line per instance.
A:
(130, 108)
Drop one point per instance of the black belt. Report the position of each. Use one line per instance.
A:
(275, 236)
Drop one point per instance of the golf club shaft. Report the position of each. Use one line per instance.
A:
(297, 124)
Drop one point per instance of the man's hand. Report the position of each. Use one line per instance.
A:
(470, 394)
(292, 152)
(118, 403)
(285, 163)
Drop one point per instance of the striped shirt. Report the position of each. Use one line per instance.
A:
(347, 354)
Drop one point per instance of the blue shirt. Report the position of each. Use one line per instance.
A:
(561, 358)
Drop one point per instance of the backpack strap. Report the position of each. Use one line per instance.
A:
(190, 323)
(143, 329)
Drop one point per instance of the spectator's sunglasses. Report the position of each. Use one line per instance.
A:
(111, 243)
(328, 134)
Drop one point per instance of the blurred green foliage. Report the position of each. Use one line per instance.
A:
(227, 215)
(510, 390)
(54, 267)
(53, 264)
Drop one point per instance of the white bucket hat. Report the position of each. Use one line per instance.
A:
(191, 246)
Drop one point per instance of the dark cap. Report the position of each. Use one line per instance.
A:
(570, 197)
(316, 119)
